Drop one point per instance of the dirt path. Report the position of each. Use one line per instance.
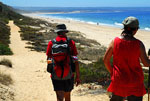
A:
(31, 82)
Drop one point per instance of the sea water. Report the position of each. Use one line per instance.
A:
(109, 16)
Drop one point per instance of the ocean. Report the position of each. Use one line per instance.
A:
(109, 16)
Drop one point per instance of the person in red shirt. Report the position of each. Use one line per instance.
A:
(126, 73)
(63, 88)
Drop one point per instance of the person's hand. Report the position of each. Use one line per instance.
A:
(149, 54)
(149, 57)
(77, 81)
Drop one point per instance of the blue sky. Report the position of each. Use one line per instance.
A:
(78, 3)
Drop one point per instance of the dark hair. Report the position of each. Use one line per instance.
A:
(60, 33)
(128, 31)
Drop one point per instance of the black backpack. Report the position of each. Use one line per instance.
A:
(60, 52)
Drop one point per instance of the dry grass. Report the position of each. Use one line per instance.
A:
(88, 49)
(5, 79)
(6, 62)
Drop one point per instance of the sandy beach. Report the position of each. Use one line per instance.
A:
(32, 82)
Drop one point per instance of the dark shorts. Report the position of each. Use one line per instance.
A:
(129, 98)
(63, 85)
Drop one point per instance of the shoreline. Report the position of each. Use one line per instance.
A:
(115, 24)
(101, 33)
(37, 15)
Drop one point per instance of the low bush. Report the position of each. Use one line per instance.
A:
(4, 33)
(5, 50)
(146, 80)
(5, 79)
(4, 37)
(93, 72)
(88, 53)
(6, 62)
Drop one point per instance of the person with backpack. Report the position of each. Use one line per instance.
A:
(62, 53)
(126, 72)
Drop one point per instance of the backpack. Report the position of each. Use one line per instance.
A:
(60, 55)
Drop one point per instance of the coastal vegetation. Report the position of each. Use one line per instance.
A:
(5, 79)
(4, 38)
(6, 92)
(6, 14)
(6, 62)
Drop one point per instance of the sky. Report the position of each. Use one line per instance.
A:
(77, 3)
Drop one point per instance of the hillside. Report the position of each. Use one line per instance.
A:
(6, 14)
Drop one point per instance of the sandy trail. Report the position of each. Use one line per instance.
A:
(31, 81)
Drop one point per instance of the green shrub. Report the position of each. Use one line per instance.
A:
(93, 72)
(91, 54)
(6, 62)
(146, 79)
(4, 33)
(5, 79)
(5, 50)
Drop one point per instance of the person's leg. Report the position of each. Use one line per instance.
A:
(67, 96)
(134, 98)
(68, 88)
(59, 89)
(116, 98)
(60, 95)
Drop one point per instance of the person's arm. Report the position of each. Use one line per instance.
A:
(48, 52)
(144, 58)
(107, 57)
(77, 79)
(74, 54)
(149, 54)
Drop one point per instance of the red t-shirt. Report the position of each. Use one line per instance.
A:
(127, 78)
(73, 51)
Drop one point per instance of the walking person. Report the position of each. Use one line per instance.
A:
(60, 51)
(126, 72)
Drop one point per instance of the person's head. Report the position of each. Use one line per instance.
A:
(61, 29)
(131, 25)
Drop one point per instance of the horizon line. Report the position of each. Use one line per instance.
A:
(85, 7)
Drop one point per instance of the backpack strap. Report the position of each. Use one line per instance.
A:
(68, 42)
(72, 64)
(54, 41)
